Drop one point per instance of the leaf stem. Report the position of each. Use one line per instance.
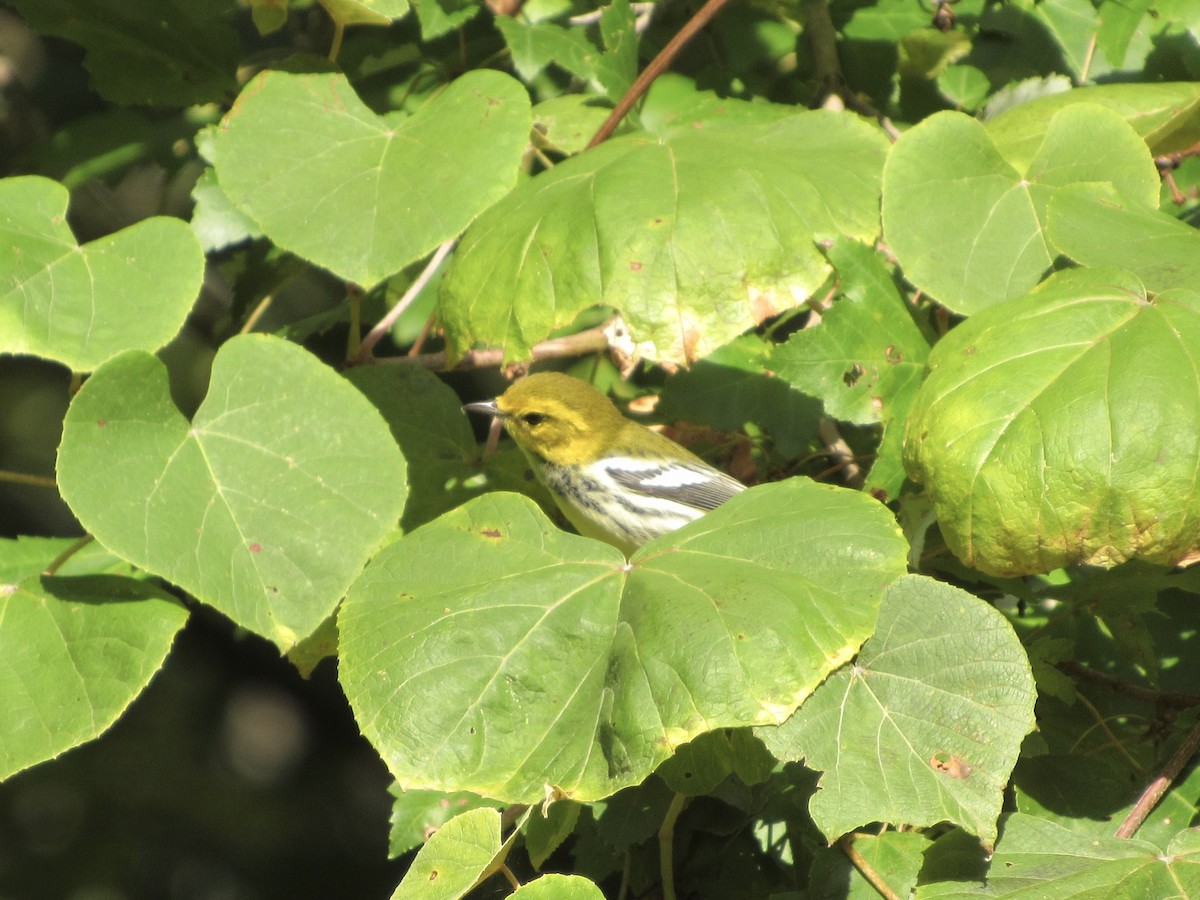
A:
(846, 845)
(666, 846)
(593, 340)
(1155, 790)
(1112, 738)
(32, 480)
(59, 560)
(657, 66)
(384, 325)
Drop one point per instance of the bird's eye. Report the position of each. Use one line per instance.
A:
(533, 420)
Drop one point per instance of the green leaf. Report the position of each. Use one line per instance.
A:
(455, 859)
(548, 659)
(1033, 854)
(439, 17)
(305, 158)
(535, 45)
(558, 887)
(265, 506)
(865, 360)
(417, 814)
(152, 52)
(567, 123)
(695, 235)
(365, 12)
(925, 726)
(964, 86)
(1167, 116)
(545, 833)
(75, 650)
(968, 225)
(895, 856)
(215, 220)
(1162, 251)
(82, 305)
(1048, 430)
(617, 68)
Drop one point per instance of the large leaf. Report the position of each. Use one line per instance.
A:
(75, 650)
(306, 159)
(1043, 859)
(926, 725)
(695, 235)
(1049, 430)
(266, 505)
(490, 652)
(968, 225)
(82, 305)
(156, 52)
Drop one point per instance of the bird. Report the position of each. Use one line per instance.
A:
(614, 479)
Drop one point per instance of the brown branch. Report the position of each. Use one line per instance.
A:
(1155, 790)
(657, 66)
(363, 353)
(1158, 698)
(846, 845)
(593, 340)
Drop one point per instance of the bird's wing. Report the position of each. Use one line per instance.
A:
(696, 485)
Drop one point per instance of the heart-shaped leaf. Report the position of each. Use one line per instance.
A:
(1049, 429)
(695, 234)
(82, 305)
(265, 506)
(925, 727)
(968, 225)
(75, 650)
(305, 158)
(490, 652)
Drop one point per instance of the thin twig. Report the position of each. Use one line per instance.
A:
(666, 846)
(59, 560)
(846, 845)
(1112, 738)
(256, 314)
(593, 340)
(384, 325)
(657, 66)
(1155, 790)
(1175, 701)
(32, 480)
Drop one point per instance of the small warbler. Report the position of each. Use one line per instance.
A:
(614, 479)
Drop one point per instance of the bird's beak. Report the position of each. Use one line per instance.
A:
(487, 407)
